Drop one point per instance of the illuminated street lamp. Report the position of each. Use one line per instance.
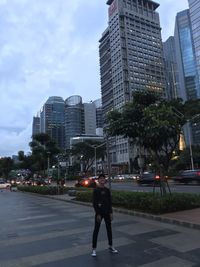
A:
(190, 144)
(95, 155)
(181, 115)
(81, 162)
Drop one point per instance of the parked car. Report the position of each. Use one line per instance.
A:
(147, 178)
(4, 184)
(86, 182)
(188, 176)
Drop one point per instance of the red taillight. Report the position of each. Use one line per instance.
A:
(157, 177)
(198, 173)
(86, 182)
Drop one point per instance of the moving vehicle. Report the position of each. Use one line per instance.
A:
(4, 184)
(147, 178)
(86, 182)
(188, 176)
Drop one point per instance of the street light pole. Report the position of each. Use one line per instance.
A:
(181, 115)
(48, 163)
(108, 162)
(95, 156)
(190, 144)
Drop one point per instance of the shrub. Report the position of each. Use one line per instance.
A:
(44, 190)
(148, 202)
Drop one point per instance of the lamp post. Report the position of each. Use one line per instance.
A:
(48, 163)
(190, 144)
(181, 115)
(81, 162)
(189, 137)
(95, 155)
(108, 162)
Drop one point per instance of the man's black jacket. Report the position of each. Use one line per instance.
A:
(102, 200)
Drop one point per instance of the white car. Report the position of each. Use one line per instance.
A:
(4, 185)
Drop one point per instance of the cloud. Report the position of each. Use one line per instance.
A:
(48, 48)
(11, 141)
(168, 10)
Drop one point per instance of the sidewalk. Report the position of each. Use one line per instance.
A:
(186, 218)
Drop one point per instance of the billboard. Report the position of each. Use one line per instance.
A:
(112, 8)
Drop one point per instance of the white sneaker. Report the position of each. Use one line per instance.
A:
(113, 250)
(93, 253)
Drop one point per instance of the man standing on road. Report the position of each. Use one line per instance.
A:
(103, 210)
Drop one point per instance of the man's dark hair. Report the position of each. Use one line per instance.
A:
(101, 176)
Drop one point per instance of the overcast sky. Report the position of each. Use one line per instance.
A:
(50, 48)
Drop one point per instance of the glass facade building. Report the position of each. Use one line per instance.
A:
(187, 65)
(190, 88)
(52, 120)
(90, 118)
(74, 118)
(172, 80)
(36, 125)
(194, 8)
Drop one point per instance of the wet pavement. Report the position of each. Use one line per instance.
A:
(47, 232)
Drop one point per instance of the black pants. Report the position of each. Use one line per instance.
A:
(107, 220)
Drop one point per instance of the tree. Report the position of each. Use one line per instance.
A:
(85, 152)
(151, 124)
(182, 159)
(6, 165)
(42, 146)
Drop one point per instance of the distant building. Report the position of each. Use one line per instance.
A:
(52, 120)
(189, 82)
(90, 118)
(172, 77)
(187, 65)
(99, 117)
(36, 125)
(194, 9)
(63, 120)
(74, 118)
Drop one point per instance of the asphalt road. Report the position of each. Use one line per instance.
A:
(133, 186)
(179, 188)
(43, 232)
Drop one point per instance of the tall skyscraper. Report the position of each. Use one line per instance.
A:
(189, 82)
(194, 8)
(90, 118)
(74, 118)
(99, 121)
(131, 59)
(36, 125)
(172, 82)
(187, 65)
(52, 120)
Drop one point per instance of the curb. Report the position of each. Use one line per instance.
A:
(130, 212)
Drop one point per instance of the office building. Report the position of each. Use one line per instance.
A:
(52, 120)
(171, 70)
(131, 59)
(194, 9)
(187, 65)
(188, 77)
(74, 118)
(99, 118)
(36, 125)
(90, 118)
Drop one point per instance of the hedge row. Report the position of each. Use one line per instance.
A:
(148, 202)
(50, 190)
(44, 190)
